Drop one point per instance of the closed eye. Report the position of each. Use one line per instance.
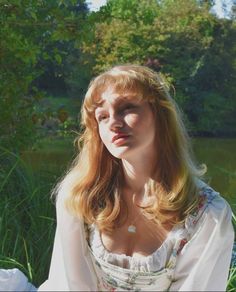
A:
(101, 118)
(128, 106)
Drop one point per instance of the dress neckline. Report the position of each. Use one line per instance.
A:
(134, 256)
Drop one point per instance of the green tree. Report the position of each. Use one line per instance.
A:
(33, 36)
(56, 62)
(212, 87)
(177, 38)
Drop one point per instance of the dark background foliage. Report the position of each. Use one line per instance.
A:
(53, 48)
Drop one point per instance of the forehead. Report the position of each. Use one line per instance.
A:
(112, 96)
(107, 88)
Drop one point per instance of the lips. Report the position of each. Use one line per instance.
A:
(119, 136)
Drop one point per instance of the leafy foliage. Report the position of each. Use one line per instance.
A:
(34, 36)
(182, 39)
(55, 47)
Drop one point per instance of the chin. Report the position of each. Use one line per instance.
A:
(122, 153)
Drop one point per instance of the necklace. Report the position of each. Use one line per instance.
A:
(132, 228)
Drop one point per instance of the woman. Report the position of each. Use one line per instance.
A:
(132, 213)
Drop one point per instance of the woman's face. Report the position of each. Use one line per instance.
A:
(126, 124)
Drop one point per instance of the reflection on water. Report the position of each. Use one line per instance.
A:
(220, 157)
(218, 154)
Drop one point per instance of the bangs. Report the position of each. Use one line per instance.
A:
(127, 83)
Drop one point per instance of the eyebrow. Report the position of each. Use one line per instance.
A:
(120, 99)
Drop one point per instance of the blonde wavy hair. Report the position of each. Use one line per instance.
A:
(93, 182)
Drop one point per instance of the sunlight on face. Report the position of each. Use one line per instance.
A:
(126, 124)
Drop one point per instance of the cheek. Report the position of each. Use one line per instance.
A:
(140, 123)
(133, 120)
(103, 135)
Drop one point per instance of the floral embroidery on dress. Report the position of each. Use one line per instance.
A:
(181, 245)
(112, 277)
(132, 281)
(206, 195)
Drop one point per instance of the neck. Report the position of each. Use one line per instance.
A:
(137, 173)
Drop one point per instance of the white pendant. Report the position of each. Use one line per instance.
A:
(132, 229)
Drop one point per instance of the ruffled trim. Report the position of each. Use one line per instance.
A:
(166, 255)
(153, 262)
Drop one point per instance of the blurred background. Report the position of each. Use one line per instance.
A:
(50, 50)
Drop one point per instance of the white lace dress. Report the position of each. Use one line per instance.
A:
(156, 272)
(194, 257)
(121, 272)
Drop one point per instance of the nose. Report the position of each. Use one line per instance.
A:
(116, 121)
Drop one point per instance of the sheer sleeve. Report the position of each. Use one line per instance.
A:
(71, 268)
(203, 264)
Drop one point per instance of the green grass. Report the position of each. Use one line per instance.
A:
(27, 214)
(51, 143)
(232, 280)
(50, 154)
(27, 223)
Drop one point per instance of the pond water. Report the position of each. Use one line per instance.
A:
(220, 157)
(218, 154)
